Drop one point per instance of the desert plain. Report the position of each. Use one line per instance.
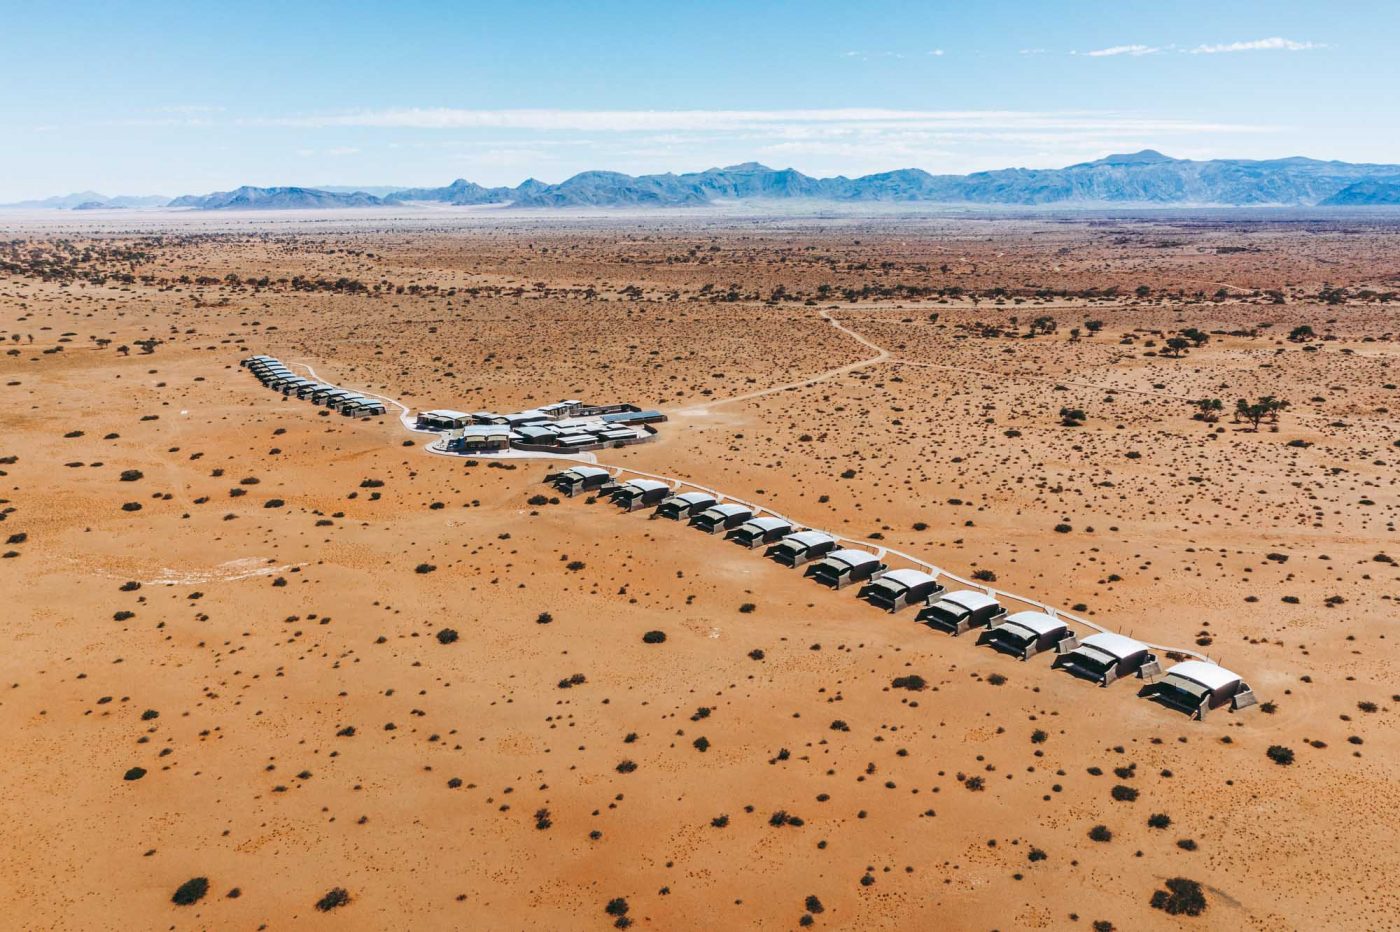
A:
(224, 650)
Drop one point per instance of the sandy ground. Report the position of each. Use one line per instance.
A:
(259, 636)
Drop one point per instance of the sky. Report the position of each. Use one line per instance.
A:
(190, 97)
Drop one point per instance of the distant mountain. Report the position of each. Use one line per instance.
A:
(1146, 178)
(90, 200)
(1372, 192)
(250, 198)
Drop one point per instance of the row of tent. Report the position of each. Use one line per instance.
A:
(279, 378)
(1192, 686)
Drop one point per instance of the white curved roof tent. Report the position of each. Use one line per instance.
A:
(1197, 686)
(684, 505)
(839, 568)
(636, 493)
(578, 479)
(899, 588)
(1026, 634)
(760, 530)
(1105, 657)
(961, 611)
(802, 547)
(718, 518)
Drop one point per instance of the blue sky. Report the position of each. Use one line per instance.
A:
(190, 97)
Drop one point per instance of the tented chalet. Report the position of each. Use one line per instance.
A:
(365, 407)
(579, 479)
(305, 391)
(639, 493)
(1025, 634)
(839, 568)
(898, 588)
(292, 386)
(759, 531)
(1105, 657)
(245, 363)
(718, 518)
(802, 547)
(961, 611)
(684, 506)
(1197, 686)
(339, 404)
(319, 395)
(442, 419)
(329, 399)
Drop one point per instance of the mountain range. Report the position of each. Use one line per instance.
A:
(1146, 178)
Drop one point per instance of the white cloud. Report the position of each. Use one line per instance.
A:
(1122, 50)
(936, 53)
(1274, 43)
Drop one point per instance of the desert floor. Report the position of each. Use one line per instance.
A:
(240, 595)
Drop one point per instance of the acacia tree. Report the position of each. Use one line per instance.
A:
(1208, 409)
(1266, 407)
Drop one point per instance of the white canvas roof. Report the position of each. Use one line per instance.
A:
(908, 578)
(850, 557)
(1039, 622)
(583, 472)
(643, 485)
(1115, 645)
(485, 430)
(808, 538)
(446, 414)
(729, 509)
(766, 524)
(693, 498)
(1210, 675)
(969, 599)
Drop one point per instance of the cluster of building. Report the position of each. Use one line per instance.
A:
(1192, 686)
(279, 378)
(566, 426)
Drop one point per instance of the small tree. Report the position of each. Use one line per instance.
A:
(1178, 345)
(1208, 409)
(1301, 334)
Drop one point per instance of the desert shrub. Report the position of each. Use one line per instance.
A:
(1063, 529)
(542, 820)
(1038, 737)
(131, 506)
(654, 637)
(149, 714)
(782, 817)
(913, 682)
(626, 766)
(747, 608)
(371, 484)
(424, 568)
(336, 897)
(273, 503)
(702, 744)
(996, 679)
(131, 475)
(446, 636)
(1036, 855)
(574, 566)
(1280, 755)
(191, 891)
(984, 576)
(976, 784)
(814, 905)
(1124, 794)
(537, 500)
(756, 654)
(839, 725)
(578, 679)
(1159, 820)
(123, 615)
(1100, 833)
(1187, 844)
(616, 907)
(1182, 897)
(135, 773)
(719, 821)
(544, 618)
